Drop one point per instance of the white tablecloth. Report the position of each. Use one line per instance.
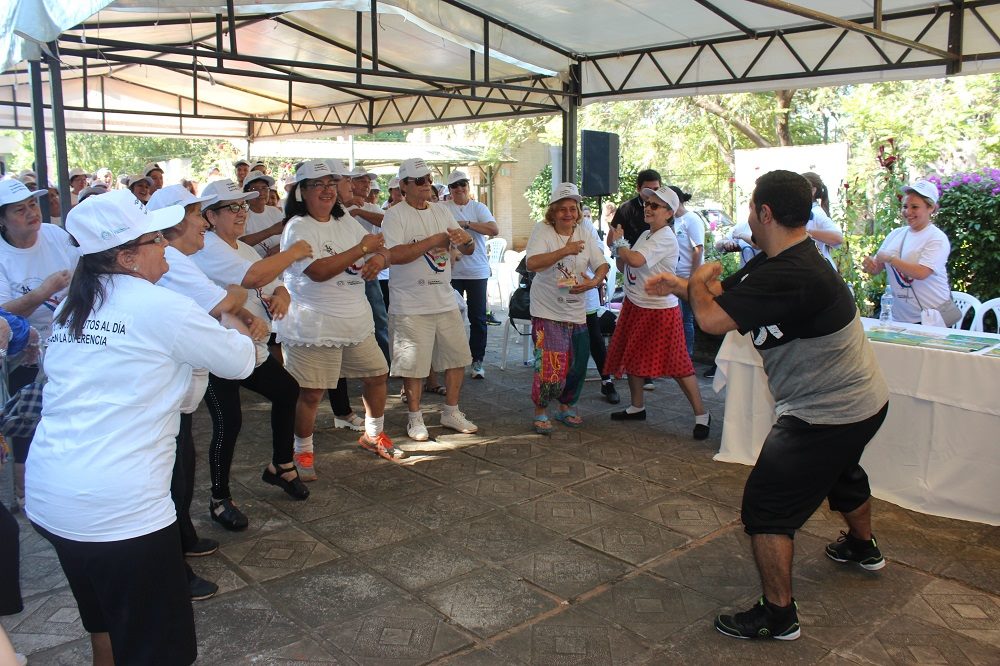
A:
(938, 451)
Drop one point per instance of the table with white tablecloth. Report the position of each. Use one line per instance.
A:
(938, 451)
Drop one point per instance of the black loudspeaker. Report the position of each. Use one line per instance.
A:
(600, 163)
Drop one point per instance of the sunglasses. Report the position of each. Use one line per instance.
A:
(421, 180)
(158, 239)
(233, 207)
(653, 205)
(461, 183)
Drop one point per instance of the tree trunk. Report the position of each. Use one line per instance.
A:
(745, 128)
(782, 127)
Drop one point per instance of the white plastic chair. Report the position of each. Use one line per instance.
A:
(522, 328)
(494, 251)
(992, 305)
(965, 302)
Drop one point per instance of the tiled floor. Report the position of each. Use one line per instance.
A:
(607, 544)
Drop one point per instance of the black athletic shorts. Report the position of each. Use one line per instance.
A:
(137, 591)
(799, 466)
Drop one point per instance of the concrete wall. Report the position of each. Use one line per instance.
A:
(510, 207)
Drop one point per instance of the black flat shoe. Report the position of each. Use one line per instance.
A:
(202, 589)
(202, 547)
(625, 416)
(226, 514)
(295, 488)
(610, 393)
(701, 431)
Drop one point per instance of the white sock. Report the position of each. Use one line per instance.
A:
(304, 444)
(632, 409)
(373, 426)
(608, 381)
(702, 419)
(415, 417)
(449, 409)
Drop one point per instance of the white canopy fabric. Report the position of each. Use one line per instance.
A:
(308, 67)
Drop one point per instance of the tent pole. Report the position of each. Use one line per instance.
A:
(569, 128)
(41, 166)
(59, 128)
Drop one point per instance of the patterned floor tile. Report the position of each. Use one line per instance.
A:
(625, 493)
(565, 513)
(278, 554)
(420, 563)
(689, 514)
(439, 508)
(387, 483)
(500, 536)
(567, 569)
(558, 470)
(631, 539)
(365, 529)
(504, 488)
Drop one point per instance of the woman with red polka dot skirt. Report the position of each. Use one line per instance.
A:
(649, 336)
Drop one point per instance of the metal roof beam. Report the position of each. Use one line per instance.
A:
(512, 28)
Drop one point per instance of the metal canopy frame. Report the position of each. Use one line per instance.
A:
(375, 93)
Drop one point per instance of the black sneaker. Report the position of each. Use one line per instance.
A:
(202, 547)
(710, 373)
(702, 431)
(761, 622)
(610, 393)
(202, 589)
(624, 415)
(850, 549)
(491, 320)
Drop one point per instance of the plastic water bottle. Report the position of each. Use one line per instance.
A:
(885, 315)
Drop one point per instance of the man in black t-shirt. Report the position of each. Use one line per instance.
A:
(830, 397)
(631, 216)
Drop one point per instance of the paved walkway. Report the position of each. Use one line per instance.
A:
(609, 544)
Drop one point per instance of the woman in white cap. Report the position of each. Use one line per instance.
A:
(242, 169)
(140, 186)
(264, 223)
(36, 262)
(329, 332)
(560, 253)
(119, 363)
(226, 260)
(649, 337)
(915, 258)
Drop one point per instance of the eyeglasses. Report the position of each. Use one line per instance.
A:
(461, 183)
(233, 207)
(158, 239)
(653, 205)
(420, 180)
(320, 185)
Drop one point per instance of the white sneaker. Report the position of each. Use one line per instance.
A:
(352, 422)
(457, 421)
(477, 370)
(417, 431)
(20, 659)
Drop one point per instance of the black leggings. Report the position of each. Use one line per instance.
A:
(10, 564)
(270, 380)
(340, 402)
(182, 482)
(598, 349)
(19, 377)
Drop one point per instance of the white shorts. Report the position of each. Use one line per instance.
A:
(322, 367)
(422, 342)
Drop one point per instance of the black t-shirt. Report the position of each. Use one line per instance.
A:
(632, 218)
(797, 294)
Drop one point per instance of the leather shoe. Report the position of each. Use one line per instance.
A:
(610, 393)
(295, 488)
(625, 416)
(701, 431)
(202, 547)
(226, 514)
(201, 589)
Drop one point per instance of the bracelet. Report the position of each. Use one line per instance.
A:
(469, 242)
(364, 249)
(384, 253)
(621, 242)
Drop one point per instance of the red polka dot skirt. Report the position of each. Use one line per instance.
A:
(648, 343)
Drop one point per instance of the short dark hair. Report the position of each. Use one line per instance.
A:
(647, 175)
(787, 194)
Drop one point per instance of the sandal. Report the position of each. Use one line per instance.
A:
(294, 487)
(542, 425)
(569, 418)
(226, 514)
(438, 390)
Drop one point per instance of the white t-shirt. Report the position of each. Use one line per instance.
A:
(102, 458)
(422, 286)
(548, 299)
(660, 250)
(24, 269)
(257, 222)
(592, 297)
(928, 247)
(475, 266)
(690, 232)
(371, 228)
(332, 313)
(820, 221)
(184, 277)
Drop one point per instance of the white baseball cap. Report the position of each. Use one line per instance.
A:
(337, 168)
(173, 195)
(394, 183)
(14, 191)
(224, 190)
(358, 172)
(313, 169)
(150, 168)
(132, 180)
(924, 188)
(565, 191)
(101, 223)
(95, 189)
(257, 164)
(664, 194)
(456, 176)
(257, 175)
(73, 173)
(27, 176)
(413, 168)
(239, 163)
(375, 186)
